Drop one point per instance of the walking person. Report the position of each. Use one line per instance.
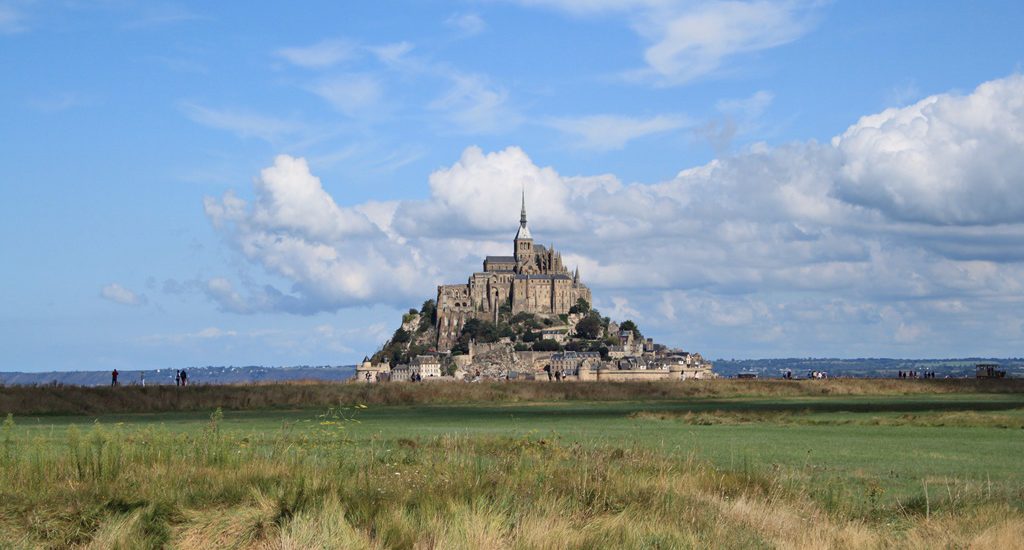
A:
(177, 378)
(184, 378)
(113, 378)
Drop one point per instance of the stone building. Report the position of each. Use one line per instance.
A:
(426, 366)
(368, 372)
(571, 363)
(532, 280)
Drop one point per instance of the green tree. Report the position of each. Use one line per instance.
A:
(589, 327)
(521, 318)
(576, 345)
(401, 336)
(428, 312)
(582, 306)
(631, 326)
(546, 345)
(418, 349)
(599, 347)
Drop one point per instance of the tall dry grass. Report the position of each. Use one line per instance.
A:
(118, 487)
(75, 400)
(806, 417)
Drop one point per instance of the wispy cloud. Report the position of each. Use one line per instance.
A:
(467, 24)
(902, 94)
(155, 14)
(740, 116)
(57, 102)
(470, 103)
(476, 105)
(695, 42)
(398, 159)
(391, 54)
(608, 132)
(242, 123)
(320, 55)
(691, 40)
(747, 107)
(351, 94)
(203, 335)
(121, 295)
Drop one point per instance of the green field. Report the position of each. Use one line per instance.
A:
(905, 470)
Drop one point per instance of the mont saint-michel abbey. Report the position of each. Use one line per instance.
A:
(532, 280)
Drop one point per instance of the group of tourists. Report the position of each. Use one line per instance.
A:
(915, 374)
(180, 378)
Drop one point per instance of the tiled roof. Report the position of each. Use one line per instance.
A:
(575, 355)
(560, 276)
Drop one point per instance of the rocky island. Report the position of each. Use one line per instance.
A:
(526, 317)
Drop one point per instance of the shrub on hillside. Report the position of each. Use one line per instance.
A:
(546, 345)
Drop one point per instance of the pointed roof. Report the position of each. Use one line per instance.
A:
(524, 232)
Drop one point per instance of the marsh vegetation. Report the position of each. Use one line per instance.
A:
(918, 470)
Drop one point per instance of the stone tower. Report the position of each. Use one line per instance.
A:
(523, 243)
(532, 280)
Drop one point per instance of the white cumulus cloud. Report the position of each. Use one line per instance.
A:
(334, 256)
(947, 159)
(807, 242)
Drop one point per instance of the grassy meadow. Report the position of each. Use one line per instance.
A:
(528, 466)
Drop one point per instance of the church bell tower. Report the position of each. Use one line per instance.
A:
(523, 241)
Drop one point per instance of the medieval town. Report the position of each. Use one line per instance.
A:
(524, 317)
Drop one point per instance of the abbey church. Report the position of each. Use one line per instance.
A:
(532, 280)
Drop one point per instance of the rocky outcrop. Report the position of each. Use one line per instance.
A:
(493, 360)
(498, 359)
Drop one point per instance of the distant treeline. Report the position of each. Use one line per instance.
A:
(76, 400)
(867, 367)
(196, 375)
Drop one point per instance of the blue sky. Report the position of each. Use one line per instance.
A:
(192, 184)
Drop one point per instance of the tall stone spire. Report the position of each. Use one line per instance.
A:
(524, 232)
(576, 277)
(522, 213)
